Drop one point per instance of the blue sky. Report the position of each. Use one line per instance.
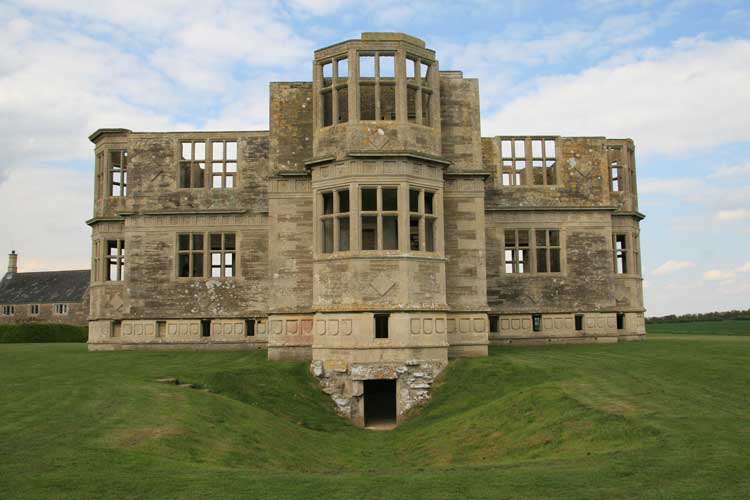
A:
(672, 75)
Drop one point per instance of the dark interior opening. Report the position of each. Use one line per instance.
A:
(620, 321)
(380, 402)
(205, 328)
(579, 322)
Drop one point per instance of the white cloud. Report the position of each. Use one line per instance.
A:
(744, 268)
(733, 215)
(718, 275)
(660, 98)
(672, 266)
(732, 172)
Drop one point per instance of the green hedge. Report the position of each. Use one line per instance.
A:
(11, 334)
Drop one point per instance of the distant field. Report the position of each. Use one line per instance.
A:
(725, 327)
(662, 419)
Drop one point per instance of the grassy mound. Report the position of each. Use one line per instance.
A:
(662, 419)
(35, 333)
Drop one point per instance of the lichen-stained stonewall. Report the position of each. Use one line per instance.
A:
(371, 230)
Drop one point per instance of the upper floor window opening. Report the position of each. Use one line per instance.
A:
(223, 164)
(192, 164)
(615, 176)
(118, 172)
(517, 154)
(334, 93)
(377, 86)
(418, 91)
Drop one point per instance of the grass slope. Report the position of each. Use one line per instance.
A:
(723, 327)
(663, 419)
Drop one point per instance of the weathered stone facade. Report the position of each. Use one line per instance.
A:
(371, 230)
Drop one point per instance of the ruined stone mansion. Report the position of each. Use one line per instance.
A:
(371, 230)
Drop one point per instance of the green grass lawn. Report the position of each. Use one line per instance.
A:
(724, 327)
(668, 418)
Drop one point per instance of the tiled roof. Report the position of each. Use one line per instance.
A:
(44, 287)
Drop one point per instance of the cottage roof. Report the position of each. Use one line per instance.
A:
(44, 287)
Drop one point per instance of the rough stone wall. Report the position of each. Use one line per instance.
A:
(345, 384)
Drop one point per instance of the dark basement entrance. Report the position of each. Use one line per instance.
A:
(380, 403)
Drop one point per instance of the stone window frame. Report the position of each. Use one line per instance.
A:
(549, 250)
(116, 259)
(621, 253)
(424, 219)
(332, 221)
(99, 173)
(227, 175)
(532, 264)
(61, 309)
(96, 261)
(532, 167)
(380, 213)
(631, 253)
(616, 177)
(226, 268)
(117, 173)
(333, 90)
(420, 84)
(200, 170)
(378, 83)
(191, 163)
(9, 310)
(34, 309)
(205, 255)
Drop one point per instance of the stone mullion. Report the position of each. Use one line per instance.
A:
(377, 87)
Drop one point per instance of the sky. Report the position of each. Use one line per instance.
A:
(672, 75)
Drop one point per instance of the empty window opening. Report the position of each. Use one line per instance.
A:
(411, 65)
(579, 322)
(342, 70)
(426, 114)
(387, 67)
(223, 164)
(327, 108)
(61, 309)
(366, 66)
(615, 174)
(223, 255)
(192, 164)
(117, 328)
(381, 326)
(536, 322)
(547, 250)
(115, 260)
(205, 328)
(421, 220)
(380, 402)
(494, 323)
(538, 153)
(517, 251)
(411, 104)
(334, 221)
(161, 328)
(34, 309)
(619, 242)
(387, 102)
(342, 98)
(250, 328)
(380, 218)
(118, 173)
(620, 321)
(366, 101)
(190, 255)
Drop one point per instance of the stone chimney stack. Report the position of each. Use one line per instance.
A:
(12, 262)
